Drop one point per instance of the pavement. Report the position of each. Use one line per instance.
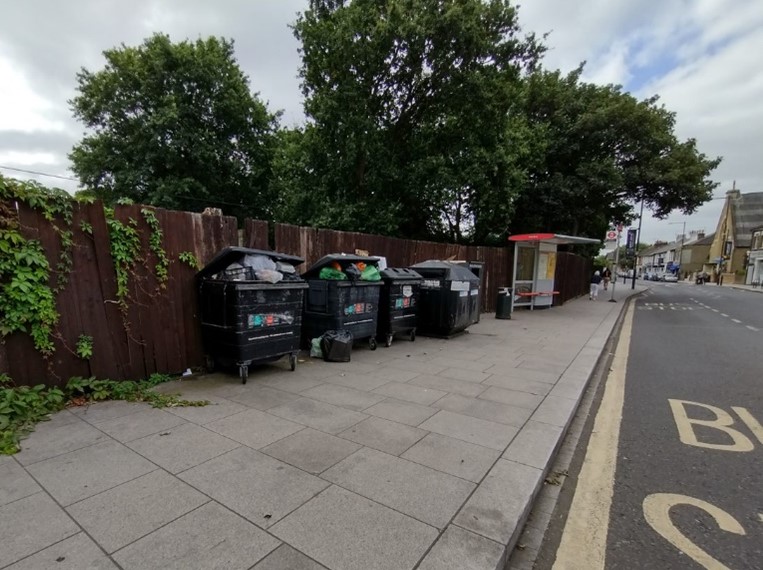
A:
(424, 455)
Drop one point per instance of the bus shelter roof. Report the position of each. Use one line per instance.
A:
(559, 239)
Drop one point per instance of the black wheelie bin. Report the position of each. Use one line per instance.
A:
(475, 302)
(445, 304)
(251, 303)
(348, 303)
(398, 303)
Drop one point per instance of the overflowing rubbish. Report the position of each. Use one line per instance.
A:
(336, 346)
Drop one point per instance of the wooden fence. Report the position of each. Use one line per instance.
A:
(162, 332)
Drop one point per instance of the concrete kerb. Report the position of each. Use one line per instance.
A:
(608, 330)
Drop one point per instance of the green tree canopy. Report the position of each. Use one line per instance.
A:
(407, 101)
(601, 151)
(175, 125)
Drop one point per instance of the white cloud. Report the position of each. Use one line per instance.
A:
(21, 108)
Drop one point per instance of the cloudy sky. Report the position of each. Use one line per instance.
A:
(700, 56)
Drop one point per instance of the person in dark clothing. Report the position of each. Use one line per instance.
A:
(595, 281)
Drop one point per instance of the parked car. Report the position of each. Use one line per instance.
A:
(670, 278)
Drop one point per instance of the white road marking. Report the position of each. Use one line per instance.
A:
(584, 540)
(724, 315)
(715, 310)
(753, 328)
(736, 320)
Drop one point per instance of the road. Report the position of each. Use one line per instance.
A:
(687, 490)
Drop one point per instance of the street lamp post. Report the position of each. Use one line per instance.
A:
(638, 243)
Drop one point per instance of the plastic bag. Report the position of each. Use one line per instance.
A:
(336, 346)
(315, 348)
(371, 274)
(353, 272)
(258, 262)
(331, 273)
(284, 267)
(269, 275)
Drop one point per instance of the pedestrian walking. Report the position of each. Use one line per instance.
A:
(595, 281)
(606, 277)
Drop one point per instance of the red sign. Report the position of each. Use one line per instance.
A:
(531, 237)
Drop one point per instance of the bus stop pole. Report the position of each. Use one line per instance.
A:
(617, 261)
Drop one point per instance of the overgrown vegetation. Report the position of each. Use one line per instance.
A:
(155, 245)
(84, 346)
(125, 252)
(189, 259)
(22, 407)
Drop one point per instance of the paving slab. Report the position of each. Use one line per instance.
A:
(31, 524)
(535, 444)
(555, 410)
(216, 409)
(318, 415)
(140, 424)
(524, 374)
(465, 375)
(459, 549)
(384, 435)
(417, 366)
(75, 553)
(450, 363)
(262, 397)
(344, 531)
(209, 538)
(484, 409)
(410, 393)
(86, 472)
(254, 485)
(500, 505)
(511, 397)
(470, 389)
(311, 450)
(453, 456)
(430, 496)
(358, 380)
(286, 558)
(401, 412)
(473, 430)
(519, 384)
(101, 411)
(182, 447)
(48, 441)
(15, 482)
(343, 396)
(289, 382)
(254, 428)
(121, 515)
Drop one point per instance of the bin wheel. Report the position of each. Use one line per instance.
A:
(293, 362)
(243, 371)
(412, 335)
(372, 343)
(388, 341)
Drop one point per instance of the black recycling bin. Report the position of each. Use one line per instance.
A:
(348, 304)
(246, 318)
(398, 303)
(475, 303)
(504, 305)
(445, 304)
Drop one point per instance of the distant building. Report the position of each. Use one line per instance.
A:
(755, 263)
(729, 252)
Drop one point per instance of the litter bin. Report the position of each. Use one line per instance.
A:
(398, 303)
(445, 304)
(246, 317)
(504, 304)
(475, 302)
(346, 304)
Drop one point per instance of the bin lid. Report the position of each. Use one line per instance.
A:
(230, 255)
(444, 270)
(400, 274)
(344, 260)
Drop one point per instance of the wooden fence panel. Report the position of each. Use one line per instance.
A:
(256, 234)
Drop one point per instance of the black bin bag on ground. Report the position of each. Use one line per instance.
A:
(336, 346)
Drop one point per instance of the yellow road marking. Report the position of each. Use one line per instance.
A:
(584, 540)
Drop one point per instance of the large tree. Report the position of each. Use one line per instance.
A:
(409, 130)
(175, 125)
(600, 151)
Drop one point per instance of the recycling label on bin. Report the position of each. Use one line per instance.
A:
(404, 303)
(474, 292)
(430, 284)
(459, 286)
(359, 309)
(407, 291)
(257, 320)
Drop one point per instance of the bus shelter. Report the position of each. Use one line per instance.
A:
(535, 266)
